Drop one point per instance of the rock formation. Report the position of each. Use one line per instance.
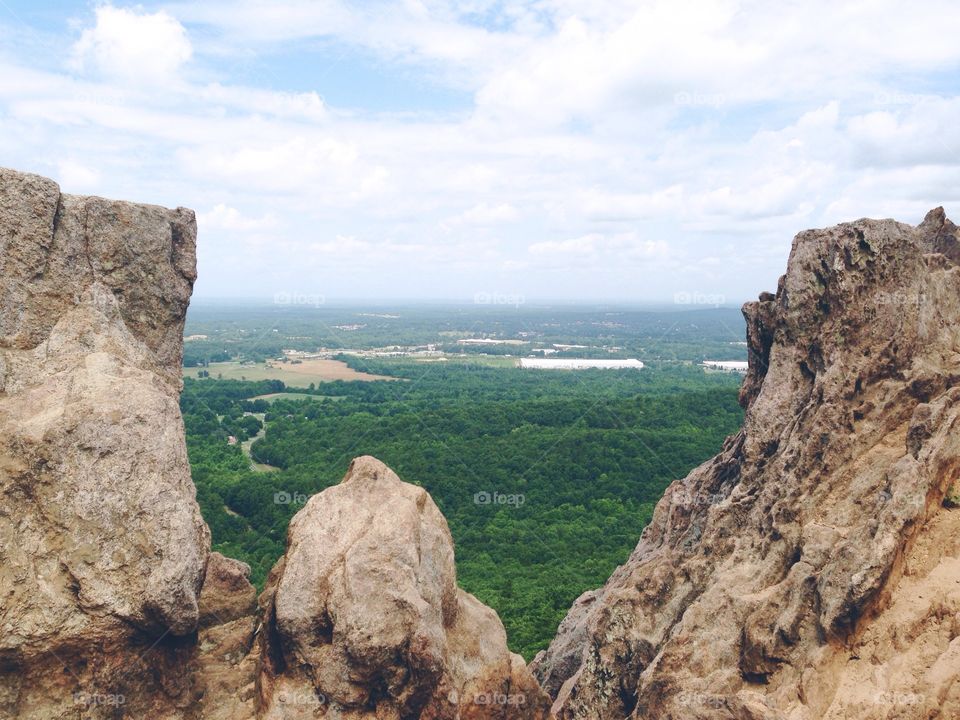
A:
(363, 614)
(101, 540)
(111, 604)
(812, 568)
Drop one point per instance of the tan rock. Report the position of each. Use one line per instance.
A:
(810, 570)
(99, 524)
(226, 656)
(102, 547)
(227, 593)
(364, 618)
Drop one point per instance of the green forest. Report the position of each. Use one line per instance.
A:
(546, 478)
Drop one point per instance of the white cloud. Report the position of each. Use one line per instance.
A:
(133, 45)
(303, 106)
(584, 245)
(77, 177)
(486, 214)
(224, 217)
(626, 246)
(564, 156)
(298, 163)
(600, 205)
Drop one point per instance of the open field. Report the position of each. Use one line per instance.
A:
(270, 397)
(566, 441)
(324, 369)
(500, 361)
(299, 375)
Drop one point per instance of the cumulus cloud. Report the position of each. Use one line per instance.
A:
(285, 165)
(486, 214)
(626, 247)
(77, 176)
(133, 45)
(224, 217)
(304, 106)
(584, 245)
(594, 142)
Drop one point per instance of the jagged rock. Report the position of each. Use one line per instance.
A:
(226, 657)
(55, 246)
(810, 570)
(554, 665)
(364, 618)
(101, 540)
(227, 593)
(99, 521)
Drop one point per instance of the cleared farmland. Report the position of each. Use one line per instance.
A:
(271, 397)
(291, 374)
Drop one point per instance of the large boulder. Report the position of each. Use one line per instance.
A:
(363, 617)
(812, 568)
(101, 539)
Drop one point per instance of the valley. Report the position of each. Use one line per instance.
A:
(546, 477)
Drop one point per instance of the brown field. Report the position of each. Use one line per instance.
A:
(325, 369)
(292, 375)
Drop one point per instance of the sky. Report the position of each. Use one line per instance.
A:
(486, 151)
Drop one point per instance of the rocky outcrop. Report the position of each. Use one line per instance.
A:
(111, 604)
(57, 246)
(101, 540)
(811, 569)
(363, 614)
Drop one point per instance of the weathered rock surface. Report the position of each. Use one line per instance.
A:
(100, 536)
(363, 615)
(811, 569)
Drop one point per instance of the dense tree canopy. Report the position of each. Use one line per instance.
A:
(546, 478)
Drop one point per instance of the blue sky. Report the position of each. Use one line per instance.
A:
(552, 149)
